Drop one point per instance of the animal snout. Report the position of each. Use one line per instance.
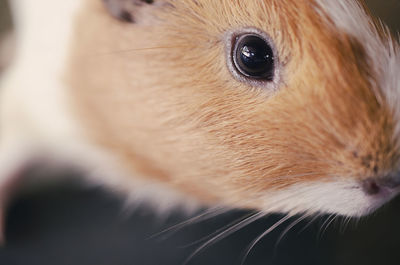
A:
(387, 183)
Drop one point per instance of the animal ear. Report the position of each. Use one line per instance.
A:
(132, 11)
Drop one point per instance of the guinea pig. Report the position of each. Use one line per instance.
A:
(286, 106)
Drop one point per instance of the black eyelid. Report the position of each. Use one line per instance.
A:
(231, 38)
(253, 57)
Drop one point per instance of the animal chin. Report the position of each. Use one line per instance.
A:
(346, 198)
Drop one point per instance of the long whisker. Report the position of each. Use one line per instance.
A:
(210, 213)
(310, 222)
(344, 223)
(322, 226)
(330, 222)
(347, 224)
(325, 225)
(269, 230)
(293, 224)
(226, 233)
(224, 228)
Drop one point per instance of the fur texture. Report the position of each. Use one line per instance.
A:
(154, 99)
(163, 100)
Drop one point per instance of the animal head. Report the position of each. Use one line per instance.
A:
(277, 105)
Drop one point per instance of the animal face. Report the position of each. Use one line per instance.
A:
(275, 105)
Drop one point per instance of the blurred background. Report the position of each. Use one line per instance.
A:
(68, 223)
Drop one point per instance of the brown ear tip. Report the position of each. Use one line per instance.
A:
(125, 10)
(119, 10)
(126, 16)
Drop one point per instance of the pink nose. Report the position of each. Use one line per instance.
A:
(389, 183)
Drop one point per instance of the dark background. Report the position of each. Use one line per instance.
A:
(67, 223)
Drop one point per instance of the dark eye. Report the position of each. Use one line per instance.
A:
(253, 57)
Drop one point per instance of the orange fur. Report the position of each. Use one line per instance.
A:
(160, 97)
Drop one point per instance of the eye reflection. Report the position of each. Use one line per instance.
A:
(253, 57)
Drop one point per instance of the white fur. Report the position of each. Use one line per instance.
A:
(33, 100)
(33, 109)
(384, 53)
(36, 120)
(340, 197)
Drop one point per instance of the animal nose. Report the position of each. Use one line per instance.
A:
(376, 185)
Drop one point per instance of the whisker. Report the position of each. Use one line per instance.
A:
(310, 222)
(357, 222)
(209, 213)
(226, 233)
(269, 230)
(325, 225)
(349, 220)
(344, 224)
(293, 224)
(213, 234)
(322, 226)
(330, 222)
